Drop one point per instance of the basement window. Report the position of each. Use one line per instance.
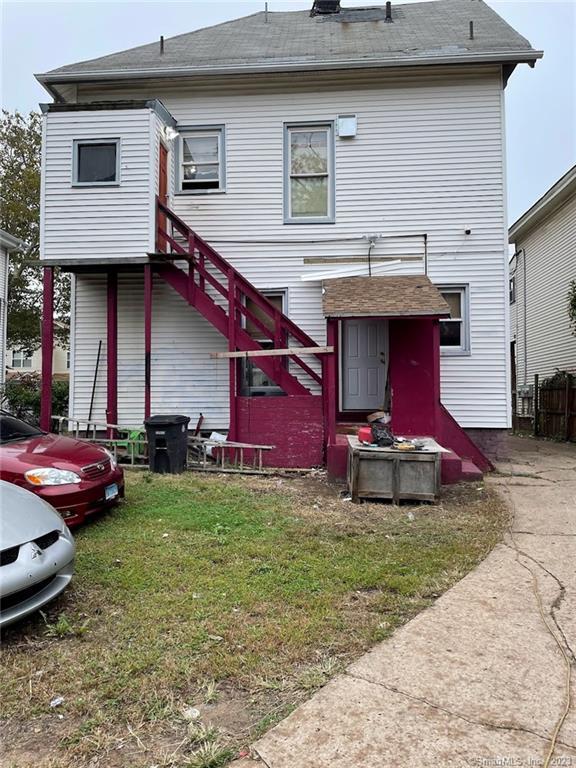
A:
(454, 330)
(254, 382)
(201, 160)
(309, 191)
(96, 162)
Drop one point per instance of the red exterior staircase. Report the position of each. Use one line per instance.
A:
(224, 297)
(219, 292)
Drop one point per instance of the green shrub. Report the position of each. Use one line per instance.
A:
(21, 396)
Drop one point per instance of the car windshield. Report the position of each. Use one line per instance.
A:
(12, 428)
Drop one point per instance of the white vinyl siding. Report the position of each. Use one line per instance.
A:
(427, 158)
(102, 220)
(544, 341)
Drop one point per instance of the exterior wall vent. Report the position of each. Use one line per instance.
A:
(323, 7)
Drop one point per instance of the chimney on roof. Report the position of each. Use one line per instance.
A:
(324, 7)
(388, 18)
(161, 44)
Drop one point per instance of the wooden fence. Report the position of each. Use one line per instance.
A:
(555, 407)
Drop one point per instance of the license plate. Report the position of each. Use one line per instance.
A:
(111, 492)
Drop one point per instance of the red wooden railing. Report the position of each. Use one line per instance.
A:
(207, 269)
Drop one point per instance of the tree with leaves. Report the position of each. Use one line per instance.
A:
(20, 146)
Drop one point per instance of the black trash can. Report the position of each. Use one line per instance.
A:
(167, 443)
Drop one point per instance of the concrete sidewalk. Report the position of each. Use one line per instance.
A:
(477, 679)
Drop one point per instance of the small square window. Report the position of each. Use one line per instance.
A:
(96, 162)
(454, 330)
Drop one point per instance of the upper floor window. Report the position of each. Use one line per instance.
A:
(96, 162)
(309, 174)
(512, 289)
(454, 330)
(21, 359)
(201, 160)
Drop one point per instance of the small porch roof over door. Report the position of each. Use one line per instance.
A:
(383, 296)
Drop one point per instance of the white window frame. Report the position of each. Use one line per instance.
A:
(264, 340)
(512, 289)
(464, 348)
(76, 144)
(22, 357)
(201, 131)
(289, 128)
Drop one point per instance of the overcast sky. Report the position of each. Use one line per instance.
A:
(540, 103)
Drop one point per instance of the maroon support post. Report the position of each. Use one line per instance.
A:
(147, 340)
(330, 371)
(47, 349)
(232, 431)
(112, 351)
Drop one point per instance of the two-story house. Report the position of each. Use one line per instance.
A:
(541, 270)
(330, 180)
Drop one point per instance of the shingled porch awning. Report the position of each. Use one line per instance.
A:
(389, 296)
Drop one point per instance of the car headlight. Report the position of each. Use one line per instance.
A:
(51, 476)
(113, 462)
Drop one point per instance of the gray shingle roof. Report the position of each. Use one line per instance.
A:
(420, 33)
(390, 296)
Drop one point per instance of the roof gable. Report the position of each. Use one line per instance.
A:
(556, 196)
(419, 32)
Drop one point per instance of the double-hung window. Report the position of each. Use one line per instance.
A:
(201, 160)
(512, 289)
(255, 383)
(21, 359)
(309, 174)
(96, 162)
(454, 330)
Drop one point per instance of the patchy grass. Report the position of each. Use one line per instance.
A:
(206, 608)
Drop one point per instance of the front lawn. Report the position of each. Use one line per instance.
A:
(206, 608)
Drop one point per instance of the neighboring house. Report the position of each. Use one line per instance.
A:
(543, 265)
(349, 164)
(23, 361)
(8, 244)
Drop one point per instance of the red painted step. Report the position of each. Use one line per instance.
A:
(470, 471)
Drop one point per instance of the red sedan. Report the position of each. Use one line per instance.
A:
(76, 477)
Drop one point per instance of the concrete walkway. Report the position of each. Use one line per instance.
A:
(477, 679)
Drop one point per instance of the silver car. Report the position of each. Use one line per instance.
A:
(36, 553)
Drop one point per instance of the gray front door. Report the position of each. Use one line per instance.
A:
(364, 364)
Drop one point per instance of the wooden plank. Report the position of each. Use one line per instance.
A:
(275, 352)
